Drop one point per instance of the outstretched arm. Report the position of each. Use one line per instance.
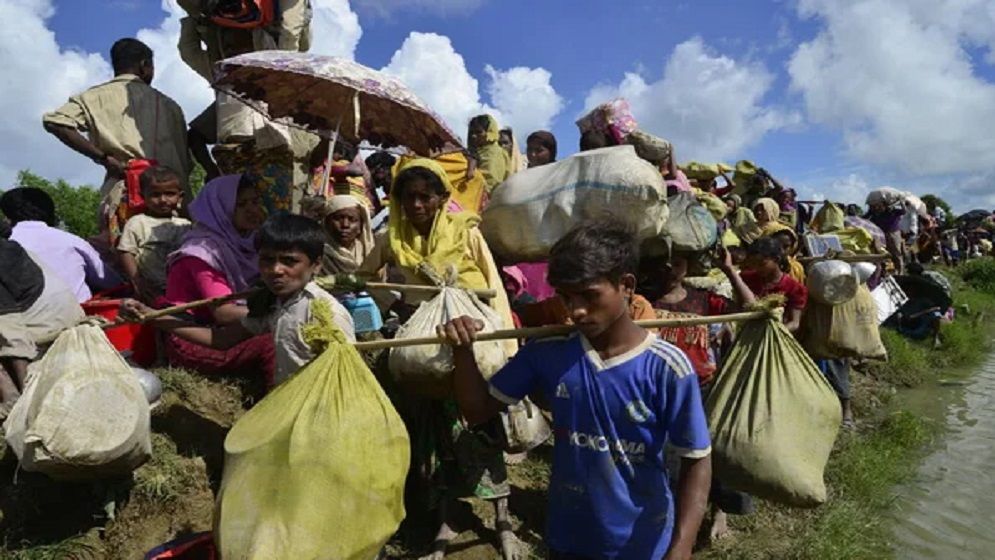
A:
(743, 293)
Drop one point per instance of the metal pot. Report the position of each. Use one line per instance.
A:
(832, 282)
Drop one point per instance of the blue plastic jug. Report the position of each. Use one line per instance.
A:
(365, 313)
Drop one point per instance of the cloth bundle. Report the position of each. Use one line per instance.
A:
(317, 468)
(83, 413)
(773, 417)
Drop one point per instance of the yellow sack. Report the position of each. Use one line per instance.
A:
(847, 330)
(696, 170)
(714, 204)
(773, 417)
(856, 239)
(829, 218)
(317, 468)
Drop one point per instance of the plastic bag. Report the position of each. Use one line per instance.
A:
(533, 209)
(83, 413)
(848, 330)
(691, 226)
(773, 417)
(829, 218)
(427, 370)
(317, 468)
(716, 207)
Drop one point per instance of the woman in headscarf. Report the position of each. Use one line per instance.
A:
(508, 142)
(350, 239)
(217, 258)
(540, 148)
(768, 212)
(492, 160)
(447, 458)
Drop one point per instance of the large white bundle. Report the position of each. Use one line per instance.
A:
(533, 209)
(427, 370)
(885, 195)
(83, 413)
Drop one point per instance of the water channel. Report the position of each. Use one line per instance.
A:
(947, 510)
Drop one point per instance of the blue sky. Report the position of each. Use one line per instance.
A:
(833, 97)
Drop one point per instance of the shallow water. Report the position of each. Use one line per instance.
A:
(948, 510)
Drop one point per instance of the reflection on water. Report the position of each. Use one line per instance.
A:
(948, 510)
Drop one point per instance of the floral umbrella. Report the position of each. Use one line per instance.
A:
(327, 94)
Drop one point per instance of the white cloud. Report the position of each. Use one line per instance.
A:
(47, 75)
(896, 78)
(525, 98)
(709, 105)
(335, 31)
(429, 65)
(521, 97)
(40, 77)
(389, 8)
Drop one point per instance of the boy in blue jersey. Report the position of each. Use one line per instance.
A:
(618, 395)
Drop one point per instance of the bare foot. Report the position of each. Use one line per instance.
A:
(511, 547)
(440, 544)
(720, 526)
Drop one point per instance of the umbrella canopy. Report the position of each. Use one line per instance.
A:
(325, 93)
(871, 227)
(978, 215)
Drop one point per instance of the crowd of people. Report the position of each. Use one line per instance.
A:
(618, 393)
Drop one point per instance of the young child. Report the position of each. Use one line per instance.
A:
(618, 394)
(764, 273)
(147, 239)
(290, 249)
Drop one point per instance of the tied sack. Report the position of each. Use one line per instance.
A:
(83, 413)
(691, 226)
(534, 208)
(317, 468)
(427, 370)
(773, 417)
(848, 330)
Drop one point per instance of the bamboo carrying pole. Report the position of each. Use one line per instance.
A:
(214, 302)
(554, 330)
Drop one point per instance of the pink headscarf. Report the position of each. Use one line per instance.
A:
(214, 238)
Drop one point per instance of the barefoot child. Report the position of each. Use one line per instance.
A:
(290, 249)
(147, 239)
(618, 395)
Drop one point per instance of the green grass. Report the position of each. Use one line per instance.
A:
(81, 547)
(866, 466)
(166, 477)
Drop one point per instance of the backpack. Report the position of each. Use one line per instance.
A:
(241, 14)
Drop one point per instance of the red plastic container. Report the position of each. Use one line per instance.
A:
(139, 339)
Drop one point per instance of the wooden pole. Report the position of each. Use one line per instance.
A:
(554, 330)
(167, 311)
